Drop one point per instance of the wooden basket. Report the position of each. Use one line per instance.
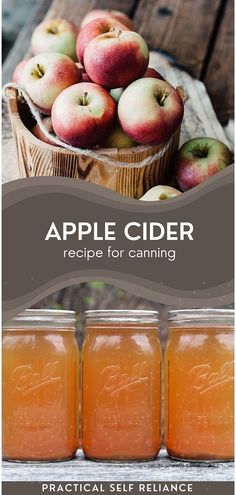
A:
(36, 158)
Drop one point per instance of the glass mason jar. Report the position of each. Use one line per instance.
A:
(121, 386)
(40, 386)
(199, 384)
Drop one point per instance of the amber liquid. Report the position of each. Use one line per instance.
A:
(40, 395)
(121, 401)
(199, 394)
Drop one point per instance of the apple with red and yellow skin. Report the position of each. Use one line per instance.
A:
(160, 193)
(83, 115)
(150, 72)
(18, 71)
(107, 14)
(94, 29)
(117, 139)
(38, 133)
(55, 35)
(46, 75)
(200, 158)
(150, 111)
(117, 58)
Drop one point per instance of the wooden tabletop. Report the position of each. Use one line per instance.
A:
(197, 34)
(80, 469)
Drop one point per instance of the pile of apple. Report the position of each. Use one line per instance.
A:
(96, 88)
(96, 85)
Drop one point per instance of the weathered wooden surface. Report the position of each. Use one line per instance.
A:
(76, 10)
(181, 28)
(21, 46)
(199, 35)
(219, 72)
(81, 469)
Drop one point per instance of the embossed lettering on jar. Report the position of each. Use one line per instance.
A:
(40, 386)
(199, 385)
(121, 384)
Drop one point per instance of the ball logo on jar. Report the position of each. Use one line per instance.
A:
(205, 378)
(115, 379)
(26, 380)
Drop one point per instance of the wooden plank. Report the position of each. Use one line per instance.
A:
(75, 11)
(80, 469)
(219, 78)
(21, 46)
(180, 27)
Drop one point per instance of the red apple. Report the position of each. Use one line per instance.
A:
(150, 72)
(150, 111)
(199, 159)
(117, 58)
(55, 35)
(46, 75)
(160, 193)
(47, 122)
(83, 114)
(18, 70)
(94, 29)
(108, 14)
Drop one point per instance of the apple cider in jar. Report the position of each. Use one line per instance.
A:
(121, 386)
(199, 385)
(40, 386)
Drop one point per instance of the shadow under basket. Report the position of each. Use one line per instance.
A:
(36, 158)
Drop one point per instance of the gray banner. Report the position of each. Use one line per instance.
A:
(199, 273)
(135, 488)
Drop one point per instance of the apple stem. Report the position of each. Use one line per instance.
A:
(161, 102)
(40, 71)
(84, 99)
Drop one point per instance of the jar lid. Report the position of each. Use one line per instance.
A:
(123, 315)
(201, 317)
(42, 318)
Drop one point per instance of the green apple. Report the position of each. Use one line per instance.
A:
(55, 35)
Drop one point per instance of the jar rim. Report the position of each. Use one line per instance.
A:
(42, 318)
(201, 315)
(127, 315)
